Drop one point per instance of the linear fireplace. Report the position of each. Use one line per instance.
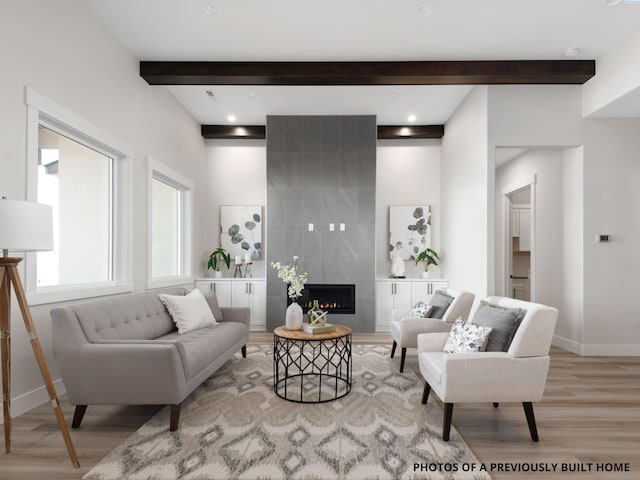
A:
(331, 297)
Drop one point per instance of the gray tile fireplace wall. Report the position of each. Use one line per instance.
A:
(321, 170)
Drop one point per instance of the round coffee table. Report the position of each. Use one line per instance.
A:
(312, 368)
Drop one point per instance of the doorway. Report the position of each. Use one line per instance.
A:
(519, 239)
(520, 244)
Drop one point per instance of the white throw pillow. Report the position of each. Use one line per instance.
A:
(420, 309)
(189, 312)
(466, 337)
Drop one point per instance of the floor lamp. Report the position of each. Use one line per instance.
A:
(24, 227)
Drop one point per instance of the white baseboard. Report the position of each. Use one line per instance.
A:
(567, 344)
(611, 350)
(598, 349)
(30, 400)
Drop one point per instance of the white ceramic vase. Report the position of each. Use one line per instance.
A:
(293, 319)
(426, 274)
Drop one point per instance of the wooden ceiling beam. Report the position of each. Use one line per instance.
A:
(475, 72)
(385, 132)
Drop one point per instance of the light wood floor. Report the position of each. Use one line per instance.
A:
(590, 413)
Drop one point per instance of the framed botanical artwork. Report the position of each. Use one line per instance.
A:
(241, 230)
(409, 230)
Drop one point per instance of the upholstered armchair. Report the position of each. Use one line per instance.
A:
(516, 375)
(405, 331)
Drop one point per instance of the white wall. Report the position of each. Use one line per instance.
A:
(237, 175)
(464, 187)
(617, 76)
(569, 331)
(60, 50)
(556, 258)
(552, 116)
(611, 204)
(407, 173)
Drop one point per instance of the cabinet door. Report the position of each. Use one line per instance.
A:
(515, 223)
(525, 229)
(384, 305)
(425, 290)
(240, 296)
(221, 288)
(253, 295)
(390, 295)
(402, 295)
(258, 294)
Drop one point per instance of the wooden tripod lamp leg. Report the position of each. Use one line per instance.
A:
(5, 348)
(42, 363)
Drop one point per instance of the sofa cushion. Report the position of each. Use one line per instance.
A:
(212, 300)
(503, 321)
(138, 316)
(431, 363)
(189, 312)
(466, 337)
(199, 348)
(440, 301)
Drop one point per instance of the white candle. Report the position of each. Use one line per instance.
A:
(247, 258)
(238, 259)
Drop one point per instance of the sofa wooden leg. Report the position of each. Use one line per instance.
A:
(531, 420)
(404, 355)
(446, 427)
(78, 415)
(496, 404)
(244, 351)
(393, 348)
(175, 417)
(425, 393)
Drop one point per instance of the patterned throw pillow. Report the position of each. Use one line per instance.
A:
(466, 337)
(420, 309)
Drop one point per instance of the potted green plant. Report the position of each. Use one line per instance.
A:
(428, 257)
(217, 257)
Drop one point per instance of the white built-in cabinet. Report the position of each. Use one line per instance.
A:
(240, 292)
(402, 293)
(521, 227)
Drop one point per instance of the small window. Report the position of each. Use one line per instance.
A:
(83, 173)
(169, 227)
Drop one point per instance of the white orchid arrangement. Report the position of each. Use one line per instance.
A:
(289, 274)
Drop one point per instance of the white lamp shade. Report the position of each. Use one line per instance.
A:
(25, 226)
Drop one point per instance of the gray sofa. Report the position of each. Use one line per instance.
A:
(126, 350)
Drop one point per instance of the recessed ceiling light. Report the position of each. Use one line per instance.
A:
(571, 52)
(209, 9)
(411, 118)
(424, 9)
(231, 118)
(611, 3)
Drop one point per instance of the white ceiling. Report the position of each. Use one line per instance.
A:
(350, 30)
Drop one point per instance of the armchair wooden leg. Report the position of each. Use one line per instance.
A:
(244, 351)
(425, 393)
(404, 355)
(78, 415)
(175, 417)
(531, 420)
(393, 348)
(496, 404)
(446, 427)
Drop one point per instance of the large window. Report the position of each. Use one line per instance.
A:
(169, 226)
(83, 173)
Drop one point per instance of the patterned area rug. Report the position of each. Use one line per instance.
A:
(235, 427)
